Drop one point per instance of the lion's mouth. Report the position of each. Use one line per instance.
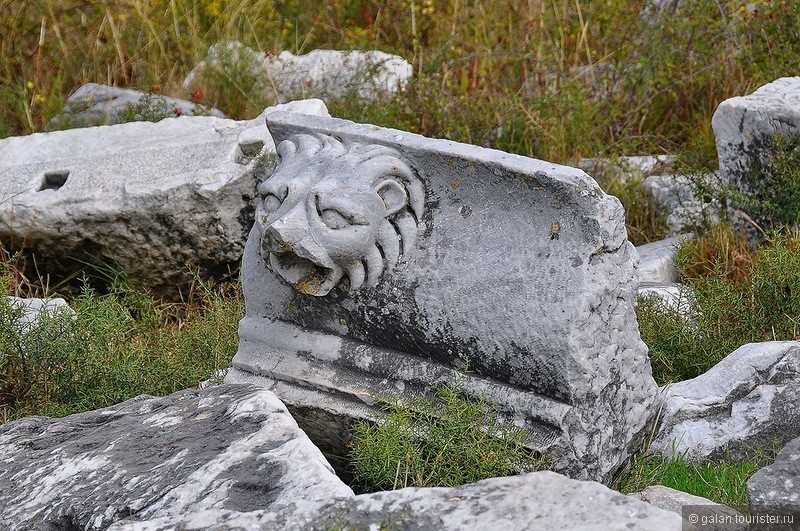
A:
(303, 274)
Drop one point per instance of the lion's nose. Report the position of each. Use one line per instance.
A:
(282, 234)
(275, 241)
(291, 234)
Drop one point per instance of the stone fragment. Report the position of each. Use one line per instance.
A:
(158, 199)
(227, 447)
(672, 296)
(325, 74)
(385, 262)
(627, 168)
(30, 310)
(95, 104)
(775, 489)
(674, 500)
(744, 127)
(747, 400)
(677, 195)
(539, 500)
(657, 259)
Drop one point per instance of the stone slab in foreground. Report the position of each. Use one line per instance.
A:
(385, 262)
(228, 447)
(539, 500)
(161, 200)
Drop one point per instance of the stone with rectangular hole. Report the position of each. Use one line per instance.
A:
(385, 262)
(160, 200)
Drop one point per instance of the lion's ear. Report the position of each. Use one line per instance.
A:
(393, 194)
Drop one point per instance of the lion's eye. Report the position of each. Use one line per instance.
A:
(272, 203)
(334, 219)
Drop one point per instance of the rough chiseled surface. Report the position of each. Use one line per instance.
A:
(744, 125)
(324, 74)
(383, 261)
(748, 399)
(539, 500)
(95, 104)
(228, 447)
(158, 199)
(776, 488)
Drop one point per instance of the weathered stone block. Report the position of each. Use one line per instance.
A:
(31, 310)
(159, 199)
(747, 400)
(674, 500)
(775, 489)
(671, 296)
(383, 261)
(744, 128)
(326, 74)
(657, 259)
(94, 104)
(743, 125)
(227, 447)
(539, 500)
(678, 194)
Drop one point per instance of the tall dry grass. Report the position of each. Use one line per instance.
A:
(555, 79)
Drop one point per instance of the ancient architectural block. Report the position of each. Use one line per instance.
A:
(743, 126)
(160, 200)
(96, 104)
(326, 74)
(227, 447)
(385, 262)
(745, 402)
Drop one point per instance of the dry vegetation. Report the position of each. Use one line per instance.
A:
(554, 79)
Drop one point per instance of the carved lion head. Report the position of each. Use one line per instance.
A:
(332, 213)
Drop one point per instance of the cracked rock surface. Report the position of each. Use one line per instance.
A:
(749, 398)
(539, 500)
(161, 200)
(227, 447)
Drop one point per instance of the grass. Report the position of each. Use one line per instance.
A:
(720, 481)
(552, 79)
(114, 346)
(441, 441)
(556, 80)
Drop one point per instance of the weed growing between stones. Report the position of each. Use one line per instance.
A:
(441, 441)
(740, 296)
(115, 346)
(150, 108)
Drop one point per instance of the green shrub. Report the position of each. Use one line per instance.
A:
(443, 441)
(773, 181)
(739, 298)
(114, 347)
